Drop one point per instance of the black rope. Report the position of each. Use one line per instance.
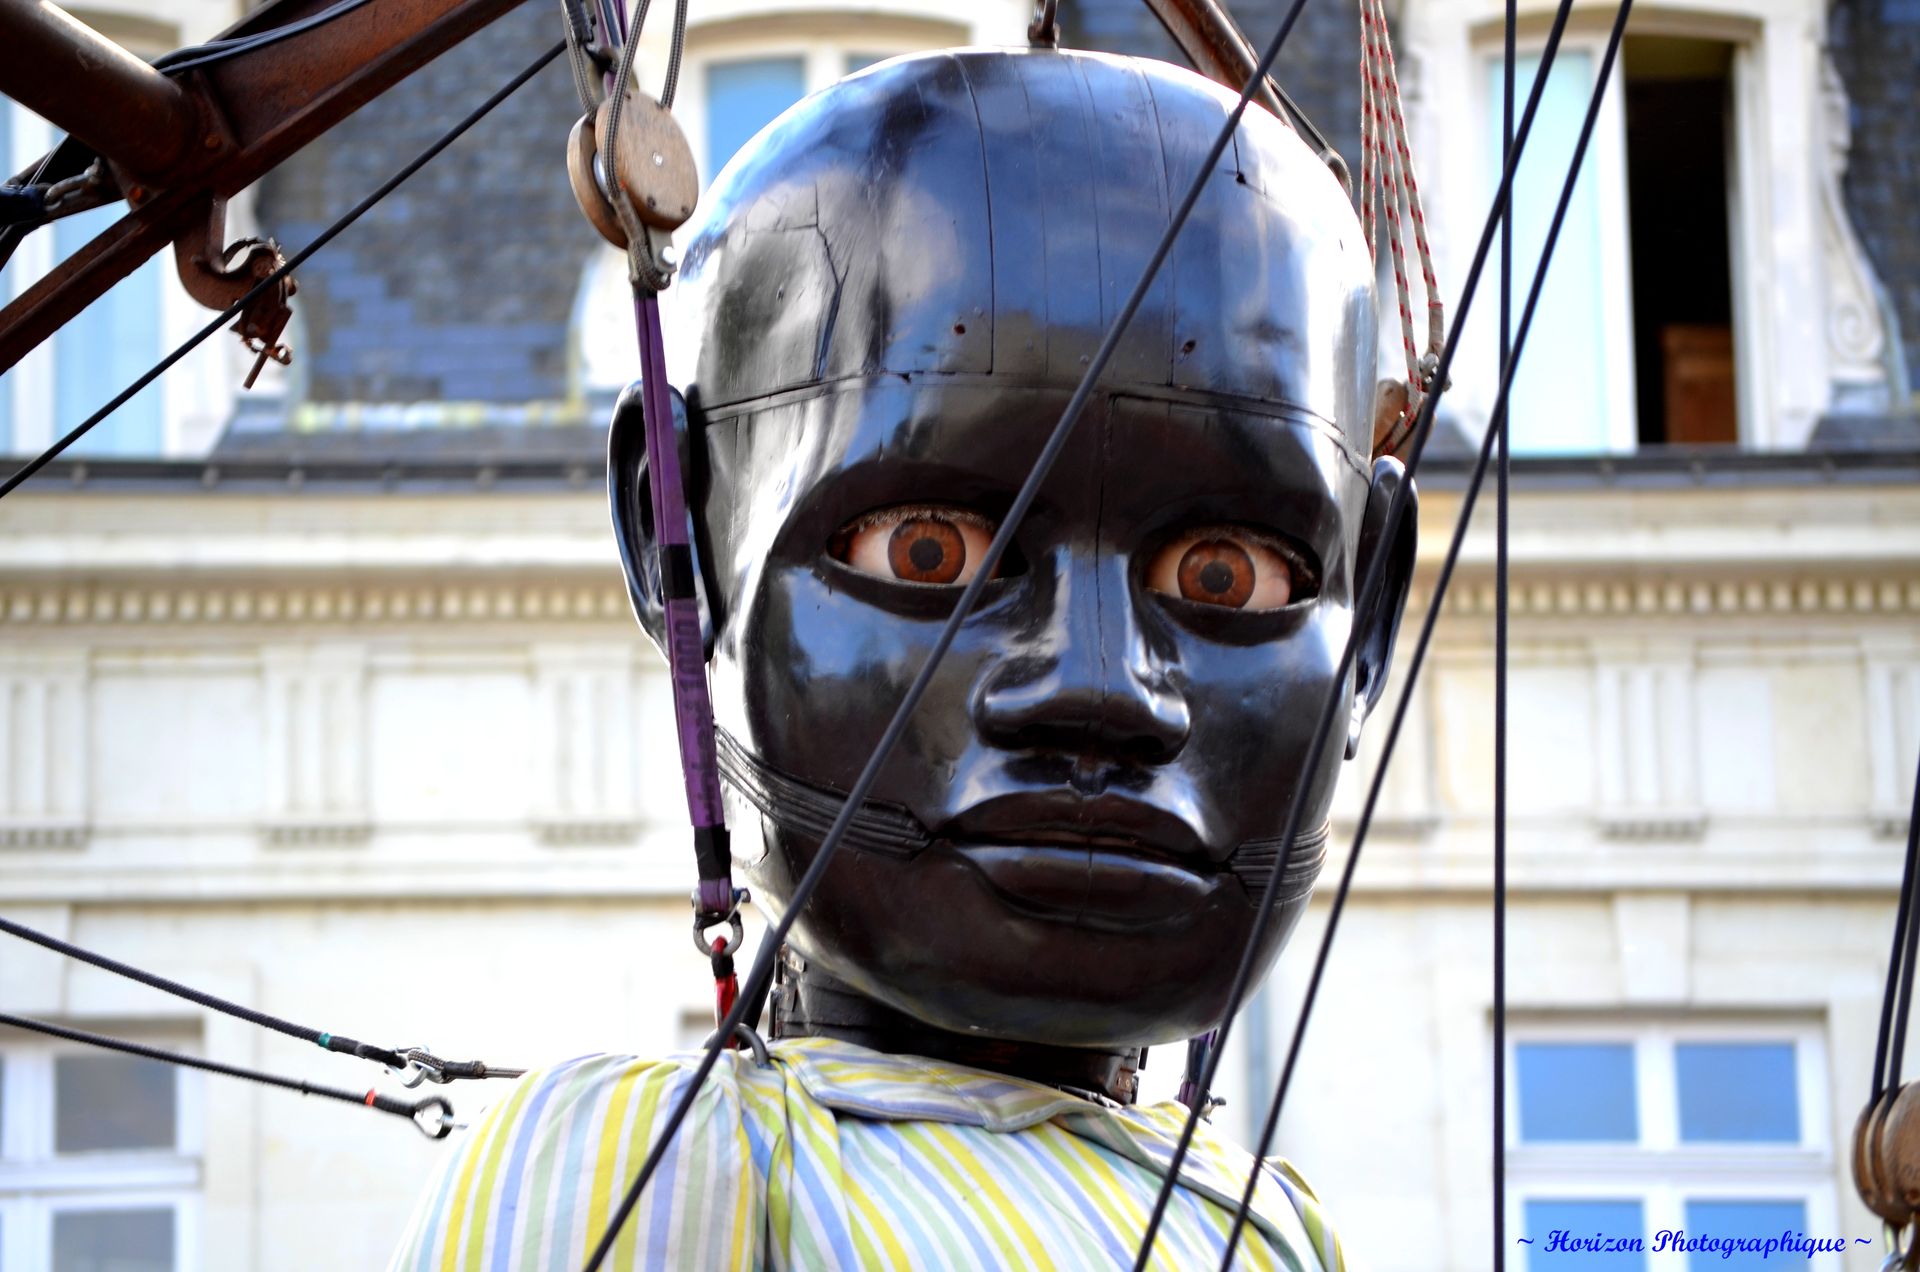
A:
(433, 1114)
(1900, 965)
(762, 970)
(1445, 576)
(297, 259)
(435, 1068)
(1502, 476)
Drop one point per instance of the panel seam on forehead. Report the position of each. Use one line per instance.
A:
(986, 189)
(1288, 412)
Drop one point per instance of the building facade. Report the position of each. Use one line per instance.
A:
(327, 700)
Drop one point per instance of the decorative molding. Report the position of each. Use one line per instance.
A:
(1893, 738)
(44, 752)
(242, 604)
(346, 606)
(1858, 330)
(584, 741)
(315, 724)
(1648, 826)
(1690, 598)
(1646, 751)
(561, 830)
(16, 832)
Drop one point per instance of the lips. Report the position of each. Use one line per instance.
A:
(1104, 861)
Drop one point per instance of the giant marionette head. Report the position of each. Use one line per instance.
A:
(887, 300)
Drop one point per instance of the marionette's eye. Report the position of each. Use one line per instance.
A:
(1232, 567)
(935, 544)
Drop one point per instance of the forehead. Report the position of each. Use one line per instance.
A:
(1135, 461)
(985, 213)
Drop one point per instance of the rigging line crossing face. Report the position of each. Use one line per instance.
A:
(1493, 433)
(761, 974)
(1421, 433)
(299, 258)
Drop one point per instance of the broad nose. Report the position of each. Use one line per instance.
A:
(1085, 680)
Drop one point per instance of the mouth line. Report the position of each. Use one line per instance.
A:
(1103, 846)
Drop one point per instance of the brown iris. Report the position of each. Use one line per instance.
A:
(1217, 572)
(926, 550)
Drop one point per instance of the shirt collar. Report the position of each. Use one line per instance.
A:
(856, 1080)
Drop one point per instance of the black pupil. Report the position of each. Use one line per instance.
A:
(926, 554)
(1215, 576)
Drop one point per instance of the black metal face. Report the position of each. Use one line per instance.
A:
(1109, 749)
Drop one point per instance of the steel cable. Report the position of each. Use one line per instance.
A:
(1502, 480)
(1888, 1053)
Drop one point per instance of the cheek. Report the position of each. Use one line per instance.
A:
(821, 673)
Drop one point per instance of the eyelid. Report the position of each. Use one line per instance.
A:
(880, 518)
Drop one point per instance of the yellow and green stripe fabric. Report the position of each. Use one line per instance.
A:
(836, 1156)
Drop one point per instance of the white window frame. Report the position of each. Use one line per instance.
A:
(1661, 1172)
(823, 44)
(1607, 156)
(36, 1183)
(1777, 303)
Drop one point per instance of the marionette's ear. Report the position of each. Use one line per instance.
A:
(1377, 622)
(632, 503)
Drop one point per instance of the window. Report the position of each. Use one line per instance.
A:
(1678, 104)
(99, 1161)
(745, 96)
(749, 70)
(1633, 342)
(96, 354)
(1620, 1133)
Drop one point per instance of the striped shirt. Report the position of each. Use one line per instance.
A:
(837, 1156)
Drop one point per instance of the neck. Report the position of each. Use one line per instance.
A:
(808, 1003)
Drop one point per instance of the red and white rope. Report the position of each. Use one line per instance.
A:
(1387, 177)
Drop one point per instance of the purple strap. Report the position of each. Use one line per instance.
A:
(686, 654)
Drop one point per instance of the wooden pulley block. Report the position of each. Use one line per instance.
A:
(655, 164)
(1868, 1177)
(586, 184)
(1886, 1156)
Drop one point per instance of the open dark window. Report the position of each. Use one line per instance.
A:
(1679, 112)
